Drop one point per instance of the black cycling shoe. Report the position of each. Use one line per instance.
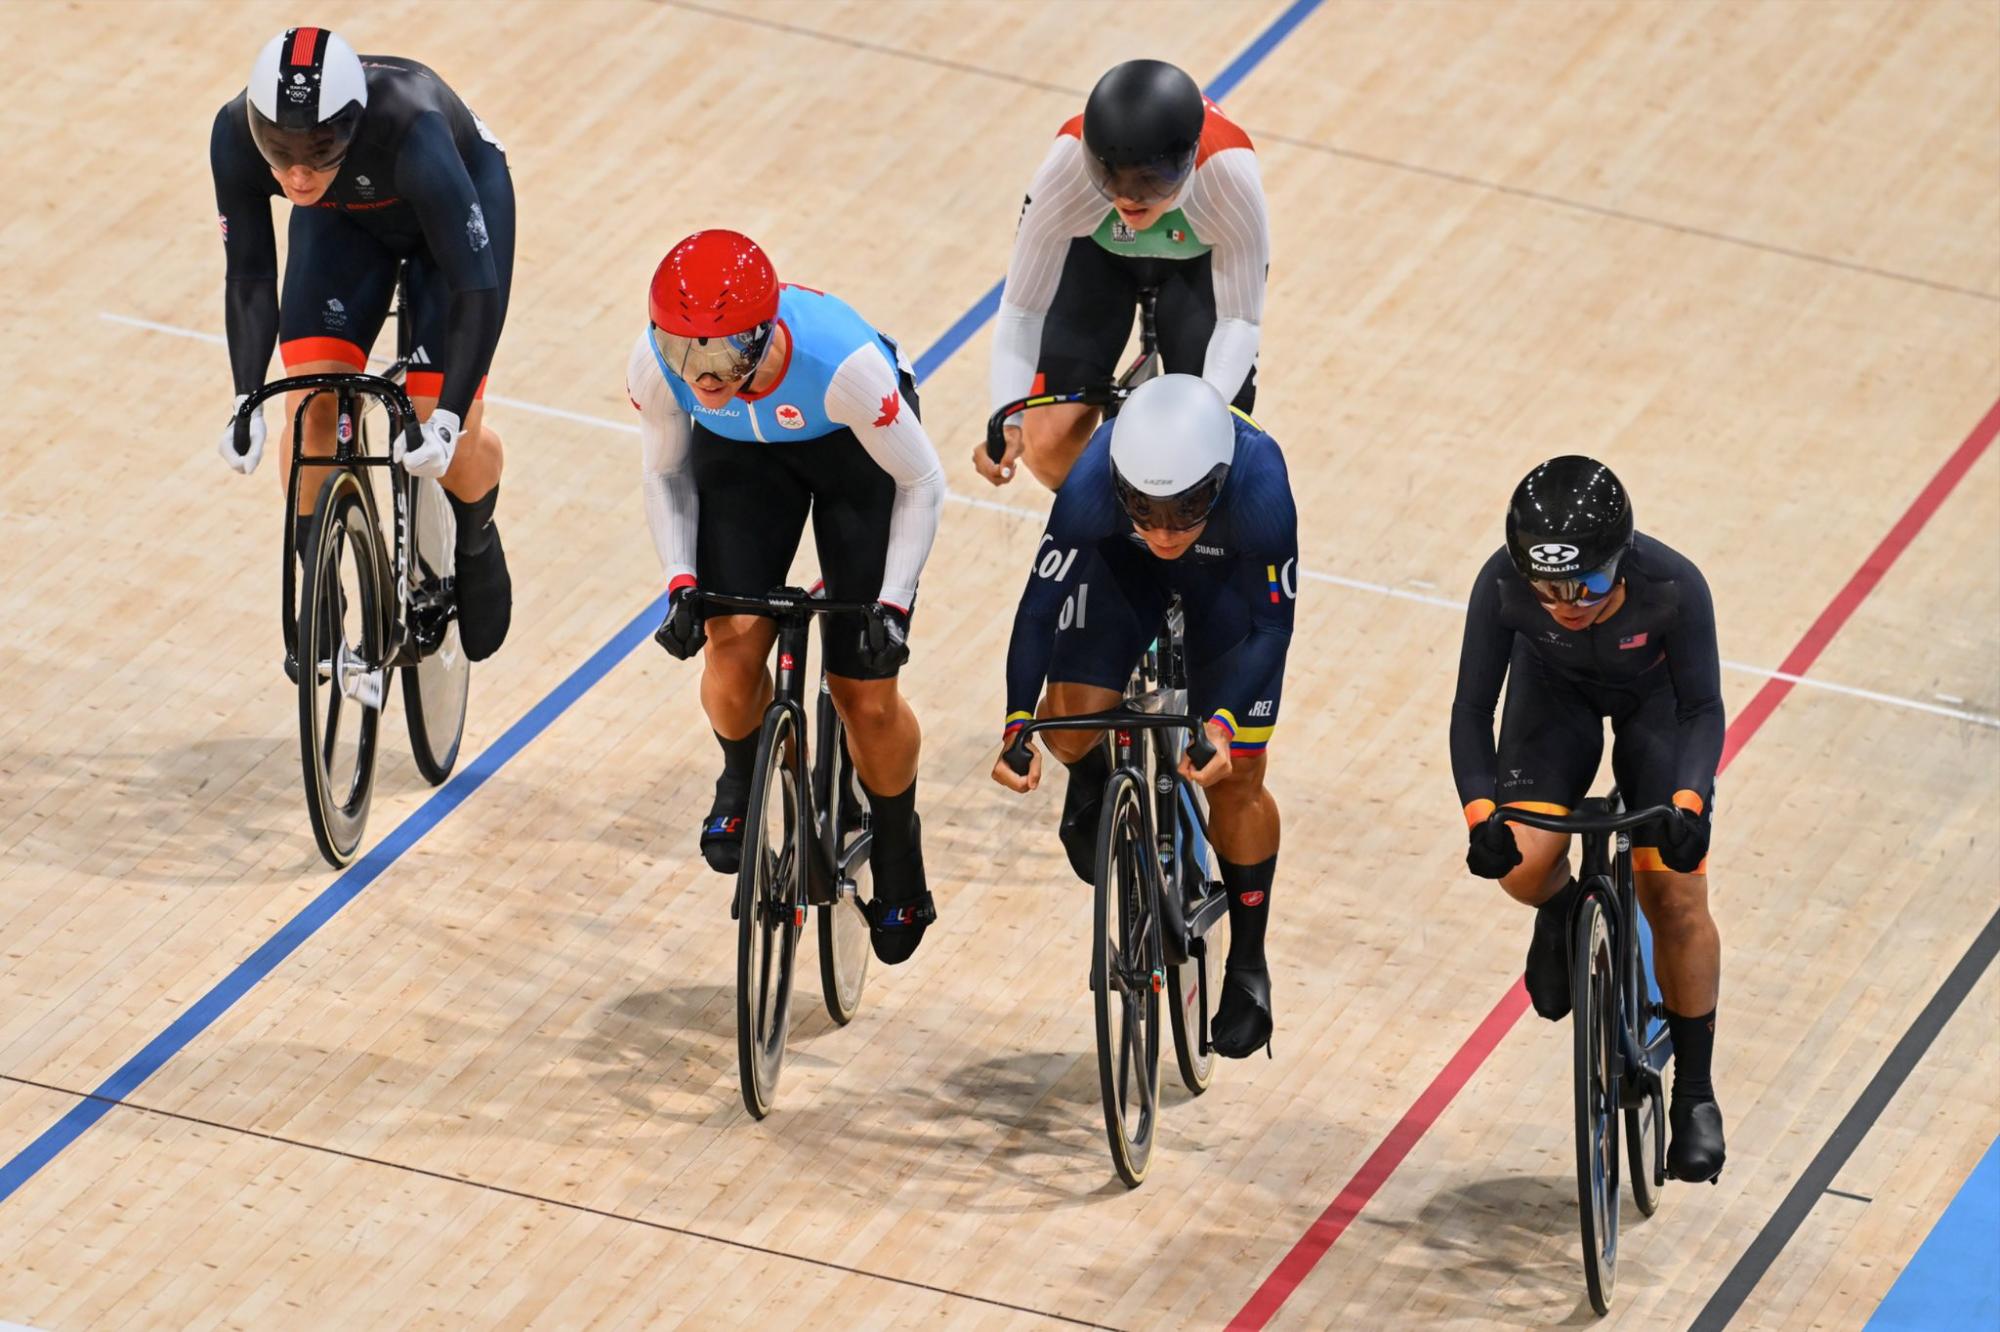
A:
(1547, 972)
(1083, 805)
(902, 908)
(722, 830)
(1242, 1023)
(1694, 1152)
(485, 598)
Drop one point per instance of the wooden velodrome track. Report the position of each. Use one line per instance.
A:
(1749, 253)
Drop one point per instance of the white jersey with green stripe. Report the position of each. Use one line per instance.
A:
(1220, 212)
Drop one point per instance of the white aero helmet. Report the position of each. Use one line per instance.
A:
(1171, 447)
(305, 98)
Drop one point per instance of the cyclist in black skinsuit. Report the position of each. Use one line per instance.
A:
(1587, 619)
(381, 161)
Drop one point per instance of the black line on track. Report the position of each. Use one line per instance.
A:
(1354, 155)
(561, 1203)
(1819, 1173)
(1842, 1193)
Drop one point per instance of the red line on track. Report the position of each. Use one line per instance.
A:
(1321, 1236)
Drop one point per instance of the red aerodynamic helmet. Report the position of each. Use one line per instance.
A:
(713, 304)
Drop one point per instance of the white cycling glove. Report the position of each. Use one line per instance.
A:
(433, 456)
(245, 463)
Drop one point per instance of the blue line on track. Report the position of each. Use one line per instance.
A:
(204, 1011)
(1954, 1281)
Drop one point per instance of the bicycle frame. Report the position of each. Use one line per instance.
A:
(1125, 724)
(1607, 873)
(828, 872)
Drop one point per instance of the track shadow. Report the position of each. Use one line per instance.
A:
(166, 813)
(1505, 1250)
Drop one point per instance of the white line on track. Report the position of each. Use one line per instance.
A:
(1038, 515)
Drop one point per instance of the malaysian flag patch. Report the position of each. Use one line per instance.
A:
(1631, 641)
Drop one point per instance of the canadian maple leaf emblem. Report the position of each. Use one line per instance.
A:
(892, 403)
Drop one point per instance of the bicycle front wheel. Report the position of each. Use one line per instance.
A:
(436, 688)
(770, 909)
(340, 636)
(1594, 987)
(1127, 973)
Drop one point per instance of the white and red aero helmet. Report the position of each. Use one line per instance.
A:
(306, 95)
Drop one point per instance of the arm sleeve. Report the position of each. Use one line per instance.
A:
(672, 508)
(1482, 668)
(431, 175)
(1061, 205)
(1253, 671)
(1694, 662)
(1227, 209)
(1033, 642)
(250, 254)
(865, 396)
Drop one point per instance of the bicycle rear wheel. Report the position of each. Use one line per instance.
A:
(844, 948)
(1127, 974)
(1594, 986)
(770, 909)
(435, 689)
(340, 637)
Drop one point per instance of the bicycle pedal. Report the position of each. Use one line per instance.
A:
(365, 686)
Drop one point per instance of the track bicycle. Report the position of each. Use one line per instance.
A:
(806, 843)
(1156, 904)
(1622, 1044)
(360, 613)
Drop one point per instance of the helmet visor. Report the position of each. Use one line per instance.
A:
(729, 358)
(319, 147)
(1153, 181)
(1173, 513)
(1583, 592)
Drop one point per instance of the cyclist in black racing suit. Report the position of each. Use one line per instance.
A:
(1587, 619)
(381, 161)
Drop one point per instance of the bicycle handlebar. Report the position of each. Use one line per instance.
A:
(388, 392)
(782, 601)
(1581, 823)
(1200, 751)
(1103, 395)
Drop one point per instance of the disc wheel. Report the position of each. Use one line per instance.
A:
(1128, 973)
(340, 635)
(436, 688)
(844, 948)
(1193, 985)
(1594, 985)
(770, 910)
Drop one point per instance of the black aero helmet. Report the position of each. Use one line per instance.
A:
(1141, 128)
(1570, 522)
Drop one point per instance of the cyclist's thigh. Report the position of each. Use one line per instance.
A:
(1187, 321)
(852, 499)
(1089, 321)
(753, 510)
(430, 294)
(1220, 654)
(1551, 737)
(338, 280)
(1113, 611)
(1645, 751)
